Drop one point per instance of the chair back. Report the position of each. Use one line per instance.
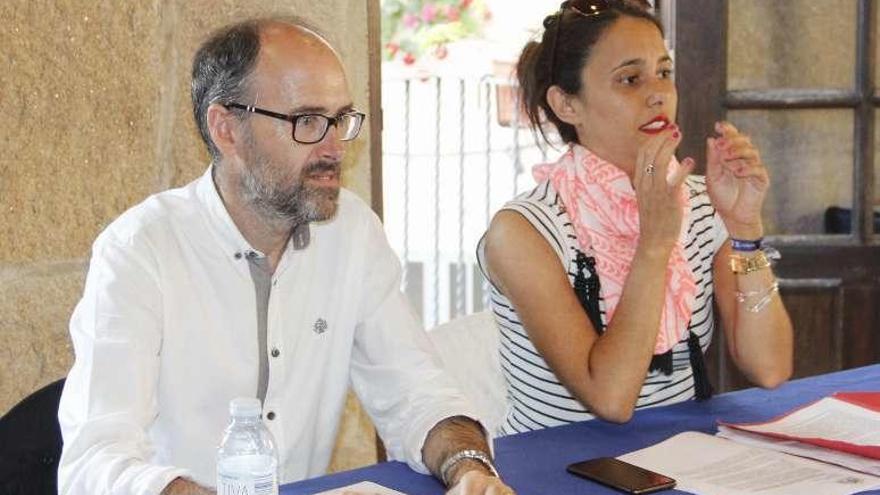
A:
(30, 444)
(468, 348)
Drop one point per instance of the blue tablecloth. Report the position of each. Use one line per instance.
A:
(534, 463)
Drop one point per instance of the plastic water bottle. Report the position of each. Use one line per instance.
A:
(247, 463)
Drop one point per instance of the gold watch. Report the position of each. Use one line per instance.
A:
(742, 265)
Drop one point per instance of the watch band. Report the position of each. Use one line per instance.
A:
(475, 455)
(742, 265)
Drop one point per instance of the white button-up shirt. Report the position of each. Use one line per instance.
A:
(166, 335)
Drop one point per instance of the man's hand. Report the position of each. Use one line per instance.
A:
(477, 482)
(180, 486)
(466, 476)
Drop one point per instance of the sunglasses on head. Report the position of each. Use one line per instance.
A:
(584, 8)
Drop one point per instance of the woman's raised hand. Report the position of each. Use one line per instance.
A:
(737, 181)
(658, 193)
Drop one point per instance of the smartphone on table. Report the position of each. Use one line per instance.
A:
(621, 475)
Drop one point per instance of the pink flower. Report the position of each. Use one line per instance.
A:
(411, 21)
(392, 48)
(429, 12)
(463, 4)
(441, 52)
(409, 59)
(452, 13)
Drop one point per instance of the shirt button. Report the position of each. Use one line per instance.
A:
(271, 415)
(276, 352)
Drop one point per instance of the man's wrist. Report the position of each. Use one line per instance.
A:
(462, 462)
(180, 486)
(464, 467)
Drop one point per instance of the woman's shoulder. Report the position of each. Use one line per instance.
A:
(543, 195)
(538, 211)
(542, 207)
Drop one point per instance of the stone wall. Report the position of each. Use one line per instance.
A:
(96, 116)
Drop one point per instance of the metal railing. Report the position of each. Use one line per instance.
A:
(452, 156)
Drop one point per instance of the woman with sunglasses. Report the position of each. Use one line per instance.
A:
(603, 277)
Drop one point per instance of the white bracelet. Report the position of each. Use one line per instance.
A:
(766, 295)
(454, 459)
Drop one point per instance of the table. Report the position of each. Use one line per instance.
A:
(534, 463)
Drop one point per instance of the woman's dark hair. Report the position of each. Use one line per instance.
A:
(539, 68)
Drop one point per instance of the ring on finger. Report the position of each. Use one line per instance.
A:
(649, 170)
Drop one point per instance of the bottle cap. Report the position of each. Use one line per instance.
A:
(242, 407)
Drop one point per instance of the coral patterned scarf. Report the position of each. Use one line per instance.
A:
(602, 205)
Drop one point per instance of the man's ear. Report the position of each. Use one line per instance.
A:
(564, 105)
(222, 126)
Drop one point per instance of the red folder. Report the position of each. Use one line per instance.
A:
(867, 400)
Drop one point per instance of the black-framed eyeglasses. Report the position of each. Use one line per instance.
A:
(584, 8)
(309, 128)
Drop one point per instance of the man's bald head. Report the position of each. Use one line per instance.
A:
(304, 36)
(223, 64)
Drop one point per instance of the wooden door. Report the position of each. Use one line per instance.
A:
(799, 76)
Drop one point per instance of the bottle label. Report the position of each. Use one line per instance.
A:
(236, 485)
(247, 475)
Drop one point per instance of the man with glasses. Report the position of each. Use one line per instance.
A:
(262, 278)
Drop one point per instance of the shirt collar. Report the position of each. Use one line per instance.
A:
(231, 239)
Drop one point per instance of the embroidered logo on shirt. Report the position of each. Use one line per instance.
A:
(320, 326)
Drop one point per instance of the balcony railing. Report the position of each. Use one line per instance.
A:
(452, 157)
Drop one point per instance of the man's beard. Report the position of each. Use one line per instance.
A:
(263, 187)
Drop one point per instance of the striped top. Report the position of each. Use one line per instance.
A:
(536, 397)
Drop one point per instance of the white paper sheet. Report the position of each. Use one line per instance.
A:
(851, 461)
(705, 464)
(830, 419)
(362, 488)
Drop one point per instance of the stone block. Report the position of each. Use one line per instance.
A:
(78, 135)
(36, 305)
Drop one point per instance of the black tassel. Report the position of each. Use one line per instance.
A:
(702, 386)
(662, 362)
(587, 289)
